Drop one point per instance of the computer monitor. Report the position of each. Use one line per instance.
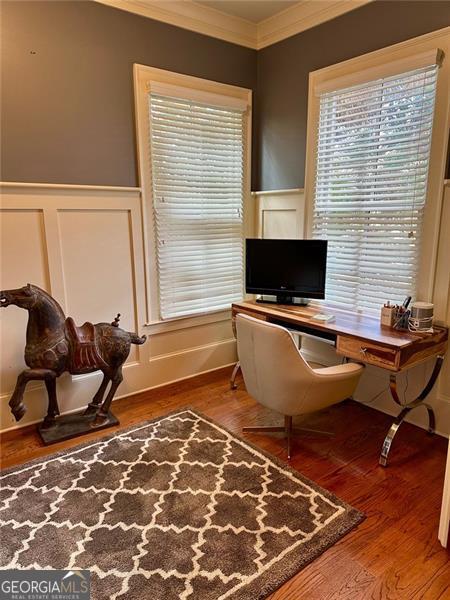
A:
(286, 269)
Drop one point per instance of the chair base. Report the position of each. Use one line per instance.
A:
(288, 429)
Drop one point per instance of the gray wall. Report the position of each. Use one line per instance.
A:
(67, 107)
(283, 76)
(67, 86)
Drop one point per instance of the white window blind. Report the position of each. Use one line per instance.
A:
(371, 179)
(197, 163)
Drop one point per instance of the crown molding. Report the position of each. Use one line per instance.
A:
(304, 15)
(192, 16)
(187, 14)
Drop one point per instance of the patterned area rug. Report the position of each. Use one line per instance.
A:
(175, 508)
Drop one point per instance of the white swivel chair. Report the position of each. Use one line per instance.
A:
(278, 377)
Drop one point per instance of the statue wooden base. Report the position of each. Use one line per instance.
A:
(70, 426)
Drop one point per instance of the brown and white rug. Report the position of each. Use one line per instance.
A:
(175, 508)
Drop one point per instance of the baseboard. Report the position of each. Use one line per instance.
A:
(120, 397)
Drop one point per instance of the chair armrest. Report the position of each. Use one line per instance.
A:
(345, 370)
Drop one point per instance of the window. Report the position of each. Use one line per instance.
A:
(197, 154)
(193, 138)
(371, 174)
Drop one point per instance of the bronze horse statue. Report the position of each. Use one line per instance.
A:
(55, 344)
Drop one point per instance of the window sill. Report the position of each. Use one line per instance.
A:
(156, 327)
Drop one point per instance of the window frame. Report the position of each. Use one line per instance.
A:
(382, 63)
(145, 79)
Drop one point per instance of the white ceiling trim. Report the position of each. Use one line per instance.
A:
(192, 16)
(302, 16)
(187, 14)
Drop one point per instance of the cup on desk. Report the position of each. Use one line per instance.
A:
(388, 315)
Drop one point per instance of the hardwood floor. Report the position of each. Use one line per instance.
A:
(393, 554)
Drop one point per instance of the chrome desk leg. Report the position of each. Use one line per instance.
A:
(233, 384)
(419, 401)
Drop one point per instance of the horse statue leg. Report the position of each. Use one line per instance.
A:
(94, 404)
(18, 408)
(53, 408)
(116, 380)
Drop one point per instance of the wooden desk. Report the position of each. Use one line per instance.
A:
(363, 339)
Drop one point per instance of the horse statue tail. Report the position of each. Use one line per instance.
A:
(136, 339)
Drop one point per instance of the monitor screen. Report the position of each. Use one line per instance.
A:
(294, 268)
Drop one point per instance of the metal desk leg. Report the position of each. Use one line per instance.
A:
(419, 401)
(233, 384)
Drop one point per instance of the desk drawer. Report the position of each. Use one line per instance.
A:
(369, 353)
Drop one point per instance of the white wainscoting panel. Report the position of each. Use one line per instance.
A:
(84, 245)
(280, 214)
(279, 223)
(90, 238)
(23, 241)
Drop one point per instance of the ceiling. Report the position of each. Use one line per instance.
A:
(250, 10)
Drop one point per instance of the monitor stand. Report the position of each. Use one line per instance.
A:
(284, 300)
